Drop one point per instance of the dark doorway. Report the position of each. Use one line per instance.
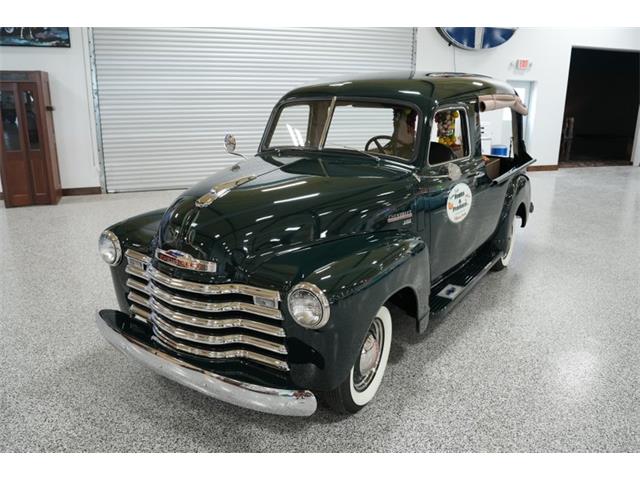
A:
(601, 108)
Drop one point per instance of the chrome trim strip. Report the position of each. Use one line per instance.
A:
(136, 272)
(216, 340)
(136, 285)
(211, 289)
(202, 288)
(182, 302)
(134, 297)
(229, 354)
(141, 257)
(215, 324)
(255, 397)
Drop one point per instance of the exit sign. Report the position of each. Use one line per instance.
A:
(522, 64)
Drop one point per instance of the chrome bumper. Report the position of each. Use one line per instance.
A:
(264, 399)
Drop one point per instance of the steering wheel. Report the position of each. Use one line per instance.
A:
(376, 140)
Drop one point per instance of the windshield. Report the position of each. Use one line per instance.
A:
(366, 126)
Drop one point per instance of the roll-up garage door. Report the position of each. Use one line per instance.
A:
(167, 96)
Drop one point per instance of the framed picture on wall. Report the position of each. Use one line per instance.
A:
(35, 37)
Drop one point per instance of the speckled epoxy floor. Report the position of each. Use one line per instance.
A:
(544, 356)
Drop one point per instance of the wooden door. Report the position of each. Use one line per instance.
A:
(16, 169)
(24, 165)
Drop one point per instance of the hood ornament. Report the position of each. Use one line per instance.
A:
(180, 259)
(220, 190)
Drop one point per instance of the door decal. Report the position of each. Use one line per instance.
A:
(459, 202)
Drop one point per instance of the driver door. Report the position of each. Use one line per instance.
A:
(450, 184)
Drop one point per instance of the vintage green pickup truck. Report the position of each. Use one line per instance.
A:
(267, 284)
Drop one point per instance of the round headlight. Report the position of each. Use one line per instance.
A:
(308, 305)
(109, 247)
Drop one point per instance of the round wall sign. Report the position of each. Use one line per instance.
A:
(459, 202)
(476, 38)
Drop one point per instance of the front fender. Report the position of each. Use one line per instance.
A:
(358, 274)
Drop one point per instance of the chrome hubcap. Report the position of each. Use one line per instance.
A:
(370, 356)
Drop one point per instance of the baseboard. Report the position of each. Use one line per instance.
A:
(67, 192)
(542, 168)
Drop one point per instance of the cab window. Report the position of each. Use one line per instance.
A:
(449, 136)
(291, 129)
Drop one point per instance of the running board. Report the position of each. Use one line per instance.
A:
(451, 289)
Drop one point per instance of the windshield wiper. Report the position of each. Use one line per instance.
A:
(278, 150)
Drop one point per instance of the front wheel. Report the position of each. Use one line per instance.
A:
(366, 375)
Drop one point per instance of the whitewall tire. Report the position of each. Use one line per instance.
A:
(505, 259)
(363, 390)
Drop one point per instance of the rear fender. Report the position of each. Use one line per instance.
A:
(518, 193)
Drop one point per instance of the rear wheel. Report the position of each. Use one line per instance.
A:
(366, 374)
(504, 260)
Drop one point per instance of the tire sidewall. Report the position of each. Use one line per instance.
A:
(505, 240)
(510, 240)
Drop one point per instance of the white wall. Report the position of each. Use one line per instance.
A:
(70, 86)
(549, 50)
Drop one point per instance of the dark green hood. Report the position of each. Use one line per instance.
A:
(292, 201)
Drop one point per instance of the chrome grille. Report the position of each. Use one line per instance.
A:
(213, 321)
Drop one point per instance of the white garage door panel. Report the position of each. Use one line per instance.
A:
(168, 96)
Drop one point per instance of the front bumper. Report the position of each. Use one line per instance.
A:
(264, 399)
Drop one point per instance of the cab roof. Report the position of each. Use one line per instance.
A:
(425, 89)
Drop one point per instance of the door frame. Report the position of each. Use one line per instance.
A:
(635, 149)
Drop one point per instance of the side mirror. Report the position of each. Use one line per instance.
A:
(229, 143)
